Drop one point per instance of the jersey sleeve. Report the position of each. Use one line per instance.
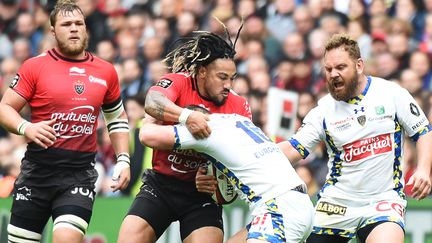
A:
(24, 82)
(113, 92)
(410, 115)
(171, 86)
(185, 140)
(309, 134)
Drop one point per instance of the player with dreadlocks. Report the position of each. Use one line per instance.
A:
(203, 70)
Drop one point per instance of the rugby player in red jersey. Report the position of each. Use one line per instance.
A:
(65, 88)
(203, 71)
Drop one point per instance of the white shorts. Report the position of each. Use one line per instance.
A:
(344, 217)
(286, 218)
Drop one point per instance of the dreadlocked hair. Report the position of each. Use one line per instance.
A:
(64, 7)
(200, 50)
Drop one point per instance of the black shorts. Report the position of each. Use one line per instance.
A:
(163, 200)
(41, 192)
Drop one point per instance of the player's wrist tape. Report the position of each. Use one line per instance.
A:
(22, 126)
(184, 115)
(123, 157)
(123, 162)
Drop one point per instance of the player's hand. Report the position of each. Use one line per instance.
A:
(205, 183)
(41, 133)
(121, 176)
(197, 125)
(421, 184)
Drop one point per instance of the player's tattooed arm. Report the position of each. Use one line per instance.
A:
(160, 107)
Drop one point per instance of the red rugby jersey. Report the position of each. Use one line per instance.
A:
(72, 92)
(182, 90)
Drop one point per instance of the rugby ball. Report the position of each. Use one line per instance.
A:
(225, 191)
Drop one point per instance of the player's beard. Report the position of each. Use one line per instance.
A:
(73, 50)
(350, 87)
(219, 102)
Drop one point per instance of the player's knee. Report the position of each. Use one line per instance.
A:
(70, 221)
(17, 234)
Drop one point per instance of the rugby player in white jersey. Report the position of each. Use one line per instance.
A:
(281, 210)
(362, 122)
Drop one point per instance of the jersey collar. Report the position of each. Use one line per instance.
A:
(356, 100)
(54, 54)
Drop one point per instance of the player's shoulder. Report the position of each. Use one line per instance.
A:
(234, 97)
(37, 60)
(99, 61)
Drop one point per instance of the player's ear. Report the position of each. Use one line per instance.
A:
(52, 30)
(202, 72)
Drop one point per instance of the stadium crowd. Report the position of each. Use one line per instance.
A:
(281, 45)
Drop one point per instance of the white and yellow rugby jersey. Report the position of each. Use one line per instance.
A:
(252, 162)
(364, 138)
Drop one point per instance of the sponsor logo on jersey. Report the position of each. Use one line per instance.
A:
(164, 83)
(361, 120)
(83, 192)
(331, 208)
(14, 82)
(414, 109)
(75, 123)
(76, 71)
(364, 148)
(418, 124)
(362, 109)
(186, 161)
(379, 110)
(100, 81)
(390, 206)
(79, 87)
(23, 193)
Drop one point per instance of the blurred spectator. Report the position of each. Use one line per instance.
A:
(241, 86)
(9, 10)
(136, 25)
(96, 23)
(357, 30)
(420, 63)
(8, 69)
(279, 19)
(398, 46)
(21, 49)
(254, 28)
(357, 10)
(410, 80)
(133, 79)
(387, 66)
(331, 23)
(106, 50)
(303, 20)
(26, 28)
(246, 8)
(406, 10)
(127, 47)
(186, 24)
(377, 7)
(294, 47)
(156, 70)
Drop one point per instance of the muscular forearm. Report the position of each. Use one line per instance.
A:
(9, 118)
(424, 145)
(120, 140)
(290, 152)
(160, 107)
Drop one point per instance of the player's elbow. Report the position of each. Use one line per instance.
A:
(146, 138)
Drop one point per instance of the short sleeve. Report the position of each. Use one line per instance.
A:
(310, 133)
(113, 91)
(24, 82)
(409, 114)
